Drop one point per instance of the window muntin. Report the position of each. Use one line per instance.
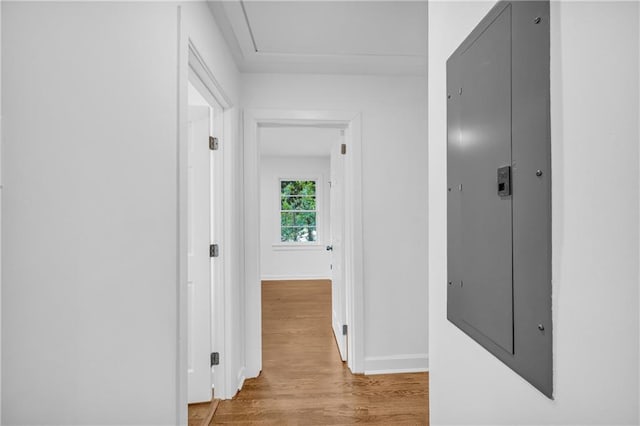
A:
(298, 211)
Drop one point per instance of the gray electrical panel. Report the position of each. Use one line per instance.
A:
(499, 188)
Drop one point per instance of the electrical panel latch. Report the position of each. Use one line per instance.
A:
(504, 181)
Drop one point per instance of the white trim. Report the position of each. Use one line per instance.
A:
(297, 246)
(404, 363)
(638, 94)
(352, 121)
(1, 196)
(354, 247)
(396, 371)
(253, 307)
(240, 378)
(182, 83)
(216, 217)
(191, 62)
(206, 76)
(233, 24)
(229, 137)
(294, 277)
(220, 265)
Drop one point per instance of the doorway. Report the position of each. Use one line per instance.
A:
(198, 85)
(204, 230)
(301, 218)
(352, 344)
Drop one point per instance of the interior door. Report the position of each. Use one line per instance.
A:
(337, 217)
(198, 266)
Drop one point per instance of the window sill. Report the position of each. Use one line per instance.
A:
(297, 246)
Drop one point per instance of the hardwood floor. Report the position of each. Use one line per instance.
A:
(303, 380)
(201, 414)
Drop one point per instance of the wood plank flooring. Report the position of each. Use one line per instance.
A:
(201, 414)
(303, 380)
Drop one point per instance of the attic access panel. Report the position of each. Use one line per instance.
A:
(499, 188)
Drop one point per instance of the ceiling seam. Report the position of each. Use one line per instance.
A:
(246, 19)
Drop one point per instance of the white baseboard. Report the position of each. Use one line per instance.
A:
(405, 363)
(294, 277)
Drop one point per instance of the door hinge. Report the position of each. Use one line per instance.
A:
(344, 329)
(343, 148)
(214, 250)
(213, 143)
(215, 358)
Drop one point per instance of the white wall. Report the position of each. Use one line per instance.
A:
(1, 210)
(91, 125)
(290, 261)
(394, 132)
(594, 119)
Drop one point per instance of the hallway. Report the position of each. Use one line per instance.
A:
(303, 380)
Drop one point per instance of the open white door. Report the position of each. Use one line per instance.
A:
(337, 217)
(198, 266)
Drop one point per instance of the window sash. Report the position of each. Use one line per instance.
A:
(312, 228)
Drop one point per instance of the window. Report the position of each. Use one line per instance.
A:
(298, 211)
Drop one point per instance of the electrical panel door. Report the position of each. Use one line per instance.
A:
(499, 283)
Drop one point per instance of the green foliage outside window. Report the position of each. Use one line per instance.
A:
(298, 211)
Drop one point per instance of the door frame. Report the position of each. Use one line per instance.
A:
(352, 122)
(200, 273)
(337, 208)
(194, 69)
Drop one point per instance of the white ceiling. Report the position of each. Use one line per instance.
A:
(297, 141)
(347, 37)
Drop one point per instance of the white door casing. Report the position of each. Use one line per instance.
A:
(337, 213)
(353, 242)
(198, 260)
(195, 73)
(354, 245)
(218, 380)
